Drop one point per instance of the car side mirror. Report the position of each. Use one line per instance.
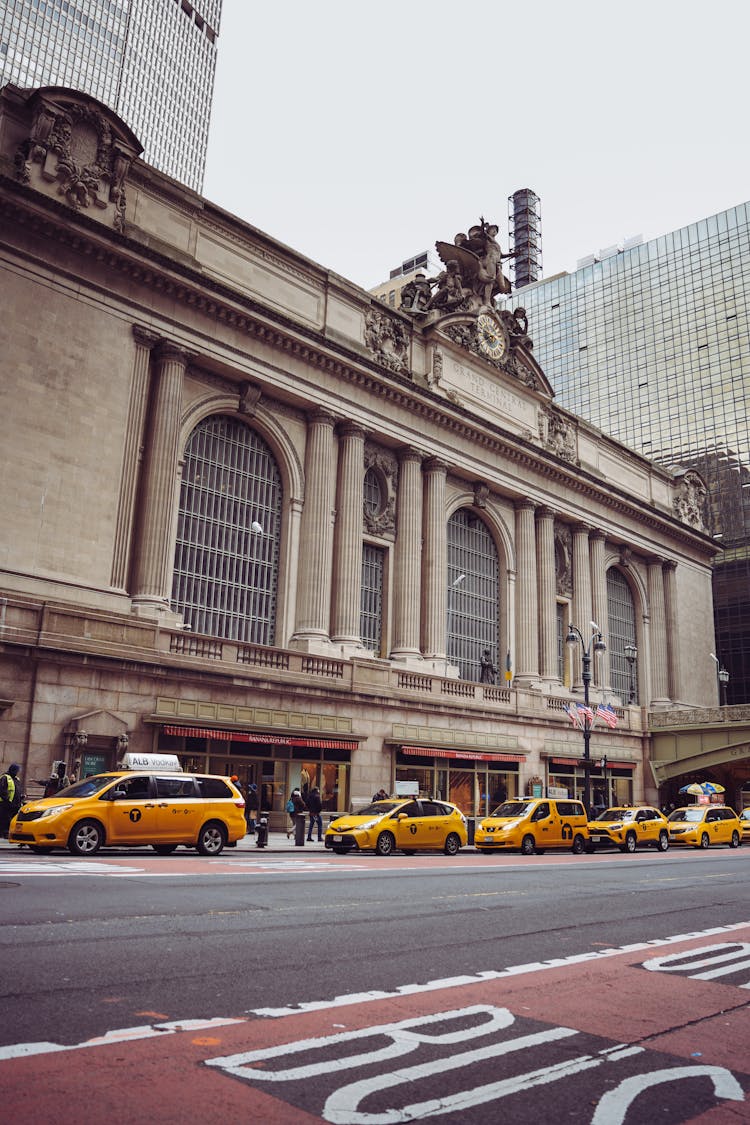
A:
(402, 816)
(119, 795)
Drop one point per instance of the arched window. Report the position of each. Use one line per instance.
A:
(621, 632)
(473, 608)
(227, 555)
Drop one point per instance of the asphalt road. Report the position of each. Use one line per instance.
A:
(132, 938)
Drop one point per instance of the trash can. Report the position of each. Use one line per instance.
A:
(261, 832)
(470, 826)
(299, 830)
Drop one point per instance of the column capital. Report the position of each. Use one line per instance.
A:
(350, 429)
(597, 534)
(436, 465)
(322, 417)
(409, 453)
(169, 350)
(144, 336)
(544, 512)
(524, 504)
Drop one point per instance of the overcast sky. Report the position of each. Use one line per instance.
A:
(360, 132)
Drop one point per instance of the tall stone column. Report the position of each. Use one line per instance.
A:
(659, 657)
(527, 603)
(434, 560)
(154, 559)
(581, 599)
(407, 557)
(132, 454)
(347, 565)
(545, 559)
(316, 534)
(599, 609)
(673, 644)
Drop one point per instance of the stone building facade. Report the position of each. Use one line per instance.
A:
(256, 518)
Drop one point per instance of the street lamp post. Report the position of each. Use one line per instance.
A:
(595, 644)
(631, 653)
(723, 679)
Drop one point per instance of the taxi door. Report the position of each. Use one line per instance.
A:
(546, 825)
(432, 827)
(408, 826)
(178, 809)
(646, 827)
(131, 811)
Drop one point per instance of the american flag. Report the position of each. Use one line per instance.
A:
(586, 711)
(572, 713)
(607, 712)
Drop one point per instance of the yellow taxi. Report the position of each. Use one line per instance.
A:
(629, 827)
(161, 807)
(704, 825)
(404, 824)
(745, 823)
(533, 824)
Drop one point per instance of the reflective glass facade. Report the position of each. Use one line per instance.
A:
(652, 344)
(151, 61)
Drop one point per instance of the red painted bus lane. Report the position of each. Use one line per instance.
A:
(629, 1036)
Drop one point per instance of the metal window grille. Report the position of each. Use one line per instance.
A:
(373, 494)
(473, 604)
(225, 574)
(371, 600)
(562, 632)
(621, 619)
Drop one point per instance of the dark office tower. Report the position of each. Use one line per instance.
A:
(151, 61)
(651, 343)
(525, 226)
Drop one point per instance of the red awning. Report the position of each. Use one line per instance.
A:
(594, 762)
(469, 755)
(262, 739)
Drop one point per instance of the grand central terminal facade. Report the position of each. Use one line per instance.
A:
(257, 518)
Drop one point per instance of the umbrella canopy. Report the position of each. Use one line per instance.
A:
(700, 788)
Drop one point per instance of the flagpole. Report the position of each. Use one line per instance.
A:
(595, 644)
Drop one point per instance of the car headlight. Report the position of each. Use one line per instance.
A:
(366, 827)
(55, 810)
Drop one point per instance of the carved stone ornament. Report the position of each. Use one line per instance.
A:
(249, 399)
(388, 340)
(481, 494)
(558, 435)
(493, 336)
(690, 503)
(563, 561)
(381, 520)
(80, 147)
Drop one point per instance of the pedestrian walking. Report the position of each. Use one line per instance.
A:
(252, 804)
(381, 795)
(57, 781)
(11, 797)
(314, 807)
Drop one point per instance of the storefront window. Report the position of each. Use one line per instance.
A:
(473, 786)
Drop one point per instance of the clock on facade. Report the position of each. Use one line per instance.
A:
(493, 339)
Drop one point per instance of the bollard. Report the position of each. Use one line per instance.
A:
(299, 830)
(261, 832)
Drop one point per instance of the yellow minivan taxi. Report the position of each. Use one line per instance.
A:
(704, 825)
(162, 808)
(532, 825)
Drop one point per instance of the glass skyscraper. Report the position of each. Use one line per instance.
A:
(652, 345)
(151, 61)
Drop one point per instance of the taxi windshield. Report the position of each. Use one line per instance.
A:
(379, 808)
(88, 786)
(694, 814)
(512, 808)
(617, 814)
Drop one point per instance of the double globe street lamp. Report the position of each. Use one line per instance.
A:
(595, 644)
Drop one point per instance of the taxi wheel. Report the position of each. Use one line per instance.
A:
(663, 842)
(735, 841)
(630, 843)
(164, 849)
(577, 849)
(385, 844)
(85, 838)
(705, 840)
(452, 845)
(211, 838)
(528, 845)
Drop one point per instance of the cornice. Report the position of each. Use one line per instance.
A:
(185, 283)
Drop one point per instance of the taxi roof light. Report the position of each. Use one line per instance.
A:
(166, 763)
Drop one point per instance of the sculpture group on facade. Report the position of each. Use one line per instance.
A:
(472, 277)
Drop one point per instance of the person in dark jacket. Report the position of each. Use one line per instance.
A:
(314, 807)
(252, 804)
